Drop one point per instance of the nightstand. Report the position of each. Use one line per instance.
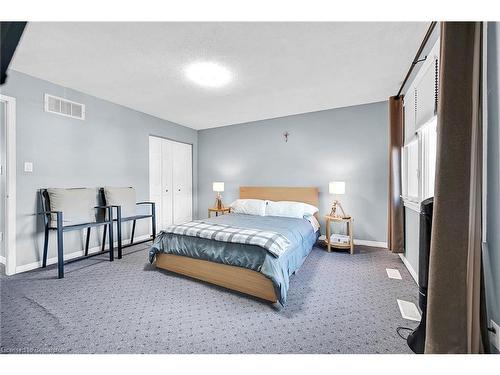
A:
(348, 221)
(222, 211)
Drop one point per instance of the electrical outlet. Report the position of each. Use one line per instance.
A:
(495, 336)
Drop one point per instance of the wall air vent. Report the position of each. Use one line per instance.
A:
(64, 107)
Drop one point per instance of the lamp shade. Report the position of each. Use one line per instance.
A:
(218, 186)
(336, 187)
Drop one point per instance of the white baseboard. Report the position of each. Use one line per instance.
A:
(74, 254)
(2, 260)
(370, 243)
(363, 242)
(409, 267)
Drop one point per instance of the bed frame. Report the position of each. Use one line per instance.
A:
(232, 277)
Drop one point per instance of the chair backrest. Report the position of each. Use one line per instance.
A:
(120, 196)
(45, 204)
(76, 204)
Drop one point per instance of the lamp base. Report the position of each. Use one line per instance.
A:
(336, 205)
(218, 202)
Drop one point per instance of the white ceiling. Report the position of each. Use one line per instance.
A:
(279, 69)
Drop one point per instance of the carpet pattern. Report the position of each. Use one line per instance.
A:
(337, 303)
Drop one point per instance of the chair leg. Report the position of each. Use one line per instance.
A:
(87, 242)
(153, 219)
(111, 248)
(133, 232)
(45, 246)
(104, 238)
(119, 230)
(60, 253)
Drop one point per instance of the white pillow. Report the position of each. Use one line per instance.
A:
(249, 207)
(290, 209)
(314, 222)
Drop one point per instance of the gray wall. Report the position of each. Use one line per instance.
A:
(340, 144)
(412, 232)
(109, 148)
(492, 249)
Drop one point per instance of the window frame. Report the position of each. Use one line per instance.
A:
(426, 155)
(422, 137)
(406, 173)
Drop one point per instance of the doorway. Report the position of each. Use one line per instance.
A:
(8, 183)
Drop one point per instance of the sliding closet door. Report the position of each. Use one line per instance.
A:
(155, 177)
(182, 180)
(166, 183)
(160, 179)
(170, 181)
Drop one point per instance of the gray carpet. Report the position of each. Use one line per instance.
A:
(338, 303)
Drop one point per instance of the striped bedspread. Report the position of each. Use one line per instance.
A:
(275, 243)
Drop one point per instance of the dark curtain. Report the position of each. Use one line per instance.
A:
(454, 295)
(395, 236)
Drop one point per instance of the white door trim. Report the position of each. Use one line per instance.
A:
(10, 178)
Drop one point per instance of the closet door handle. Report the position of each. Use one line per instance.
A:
(179, 190)
(166, 190)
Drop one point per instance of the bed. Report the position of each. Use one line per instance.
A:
(243, 267)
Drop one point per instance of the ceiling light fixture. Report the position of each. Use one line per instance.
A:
(208, 74)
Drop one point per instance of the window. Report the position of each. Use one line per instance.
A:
(429, 144)
(410, 171)
(419, 165)
(418, 161)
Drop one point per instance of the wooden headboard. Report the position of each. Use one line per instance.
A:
(277, 193)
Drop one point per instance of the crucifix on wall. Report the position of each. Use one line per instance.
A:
(285, 135)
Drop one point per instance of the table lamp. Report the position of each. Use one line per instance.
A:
(337, 188)
(218, 187)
